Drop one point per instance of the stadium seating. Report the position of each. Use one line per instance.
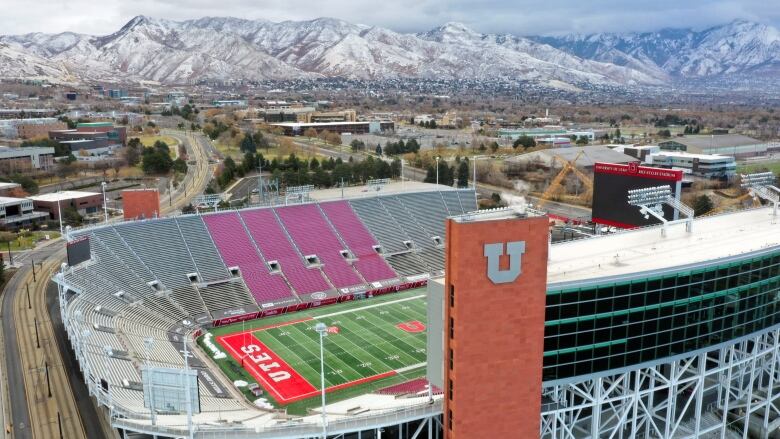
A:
(204, 254)
(265, 229)
(359, 241)
(124, 253)
(112, 302)
(169, 262)
(237, 249)
(468, 201)
(422, 241)
(429, 212)
(219, 296)
(313, 236)
(381, 224)
(452, 203)
(188, 298)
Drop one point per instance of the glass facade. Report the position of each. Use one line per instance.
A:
(613, 325)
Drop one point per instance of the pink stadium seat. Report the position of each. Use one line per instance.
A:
(273, 243)
(314, 236)
(237, 250)
(357, 237)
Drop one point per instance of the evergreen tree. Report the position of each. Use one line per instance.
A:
(463, 174)
(248, 144)
(701, 205)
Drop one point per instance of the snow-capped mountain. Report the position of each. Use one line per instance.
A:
(238, 49)
(737, 48)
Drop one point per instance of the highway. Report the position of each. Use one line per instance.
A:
(32, 329)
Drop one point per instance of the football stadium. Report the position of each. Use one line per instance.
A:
(410, 314)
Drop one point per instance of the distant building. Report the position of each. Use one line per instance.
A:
(587, 160)
(117, 94)
(703, 165)
(555, 142)
(19, 160)
(290, 114)
(18, 212)
(297, 128)
(94, 139)
(140, 203)
(29, 128)
(735, 145)
(237, 103)
(638, 151)
(6, 188)
(85, 203)
(330, 116)
(26, 113)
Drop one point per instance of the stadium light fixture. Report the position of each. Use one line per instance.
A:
(300, 193)
(109, 351)
(437, 170)
(377, 184)
(323, 331)
(761, 185)
(105, 206)
(651, 201)
(148, 345)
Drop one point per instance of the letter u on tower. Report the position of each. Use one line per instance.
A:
(493, 253)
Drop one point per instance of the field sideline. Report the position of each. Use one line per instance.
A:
(370, 344)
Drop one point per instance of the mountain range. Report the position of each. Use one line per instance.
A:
(226, 49)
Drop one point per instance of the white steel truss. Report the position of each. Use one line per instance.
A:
(728, 392)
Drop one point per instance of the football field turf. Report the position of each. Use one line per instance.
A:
(370, 343)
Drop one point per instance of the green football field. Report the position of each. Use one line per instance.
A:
(371, 344)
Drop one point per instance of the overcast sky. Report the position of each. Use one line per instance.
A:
(520, 17)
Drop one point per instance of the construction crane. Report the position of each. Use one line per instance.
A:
(556, 187)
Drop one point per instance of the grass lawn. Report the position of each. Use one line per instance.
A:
(28, 242)
(371, 344)
(759, 167)
(170, 141)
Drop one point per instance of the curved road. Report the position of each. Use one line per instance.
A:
(72, 415)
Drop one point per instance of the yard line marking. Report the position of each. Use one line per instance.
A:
(381, 340)
(347, 311)
(317, 355)
(408, 368)
(373, 318)
(300, 360)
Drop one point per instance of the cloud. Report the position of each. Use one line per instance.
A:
(521, 17)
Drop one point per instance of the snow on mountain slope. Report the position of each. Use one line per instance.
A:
(740, 47)
(225, 48)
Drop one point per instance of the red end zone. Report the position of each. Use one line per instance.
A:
(276, 376)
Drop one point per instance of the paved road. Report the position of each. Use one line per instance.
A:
(244, 187)
(19, 408)
(198, 175)
(314, 148)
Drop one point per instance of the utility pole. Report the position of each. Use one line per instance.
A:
(33, 269)
(37, 340)
(29, 305)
